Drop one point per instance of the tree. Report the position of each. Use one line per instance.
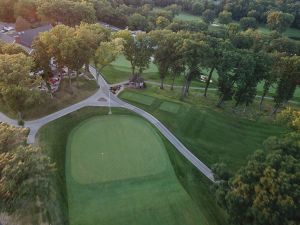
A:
(137, 22)
(25, 186)
(11, 49)
(213, 60)
(208, 16)
(290, 118)
(129, 47)
(11, 137)
(26, 9)
(225, 17)
(265, 64)
(248, 22)
(22, 24)
(164, 42)
(247, 79)
(161, 22)
(195, 53)
(279, 21)
(227, 75)
(289, 70)
(66, 12)
(91, 36)
(17, 88)
(137, 51)
(107, 52)
(7, 10)
(265, 191)
(143, 51)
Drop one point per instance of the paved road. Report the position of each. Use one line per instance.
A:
(100, 98)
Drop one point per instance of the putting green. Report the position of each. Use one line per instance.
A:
(125, 147)
(118, 172)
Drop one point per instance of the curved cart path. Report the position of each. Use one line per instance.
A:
(101, 98)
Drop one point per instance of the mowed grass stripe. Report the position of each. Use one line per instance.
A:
(140, 187)
(142, 99)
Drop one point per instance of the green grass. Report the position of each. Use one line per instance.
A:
(142, 99)
(124, 147)
(141, 198)
(212, 135)
(170, 107)
(120, 70)
(187, 17)
(290, 32)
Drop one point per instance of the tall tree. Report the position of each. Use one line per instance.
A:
(17, 88)
(195, 53)
(279, 21)
(289, 70)
(107, 52)
(266, 190)
(25, 186)
(67, 12)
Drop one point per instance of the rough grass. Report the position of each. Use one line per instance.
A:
(161, 197)
(212, 135)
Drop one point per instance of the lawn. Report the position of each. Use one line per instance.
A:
(290, 32)
(102, 182)
(187, 17)
(212, 135)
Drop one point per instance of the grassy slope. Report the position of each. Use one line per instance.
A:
(212, 135)
(53, 138)
(60, 100)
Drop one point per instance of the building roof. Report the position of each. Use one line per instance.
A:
(27, 37)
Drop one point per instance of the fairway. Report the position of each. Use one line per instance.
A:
(118, 172)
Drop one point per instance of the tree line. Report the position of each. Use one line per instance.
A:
(266, 190)
(26, 190)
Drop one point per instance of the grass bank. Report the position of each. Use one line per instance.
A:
(213, 135)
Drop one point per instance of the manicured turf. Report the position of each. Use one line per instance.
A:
(144, 197)
(53, 138)
(142, 99)
(187, 17)
(120, 70)
(212, 136)
(122, 146)
(169, 107)
(132, 182)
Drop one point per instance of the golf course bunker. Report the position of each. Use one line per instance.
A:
(115, 147)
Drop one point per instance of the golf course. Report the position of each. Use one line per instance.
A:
(117, 171)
